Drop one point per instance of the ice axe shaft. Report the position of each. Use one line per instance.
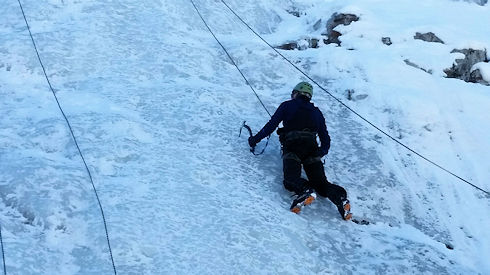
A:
(252, 149)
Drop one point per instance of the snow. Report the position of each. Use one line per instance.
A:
(484, 70)
(156, 107)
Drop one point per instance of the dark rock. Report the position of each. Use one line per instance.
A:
(294, 12)
(428, 37)
(288, 46)
(349, 94)
(312, 43)
(386, 40)
(361, 222)
(449, 246)
(479, 2)
(461, 69)
(476, 77)
(334, 21)
(344, 19)
(333, 37)
(410, 63)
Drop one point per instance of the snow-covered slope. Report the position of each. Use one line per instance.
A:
(156, 107)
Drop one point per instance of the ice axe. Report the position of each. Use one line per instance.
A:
(252, 149)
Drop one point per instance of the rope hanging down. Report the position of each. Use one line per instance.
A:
(241, 73)
(349, 108)
(72, 134)
(229, 56)
(3, 253)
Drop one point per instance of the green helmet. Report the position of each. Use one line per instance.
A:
(304, 88)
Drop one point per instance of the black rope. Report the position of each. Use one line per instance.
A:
(252, 149)
(73, 136)
(349, 108)
(3, 253)
(229, 56)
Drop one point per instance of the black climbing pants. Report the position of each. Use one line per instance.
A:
(302, 152)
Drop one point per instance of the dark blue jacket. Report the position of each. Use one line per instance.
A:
(297, 115)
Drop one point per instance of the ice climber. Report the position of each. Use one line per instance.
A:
(302, 122)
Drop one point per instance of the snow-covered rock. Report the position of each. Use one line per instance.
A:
(335, 20)
(464, 69)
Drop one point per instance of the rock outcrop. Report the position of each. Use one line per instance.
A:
(334, 21)
(461, 69)
(332, 35)
(428, 37)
